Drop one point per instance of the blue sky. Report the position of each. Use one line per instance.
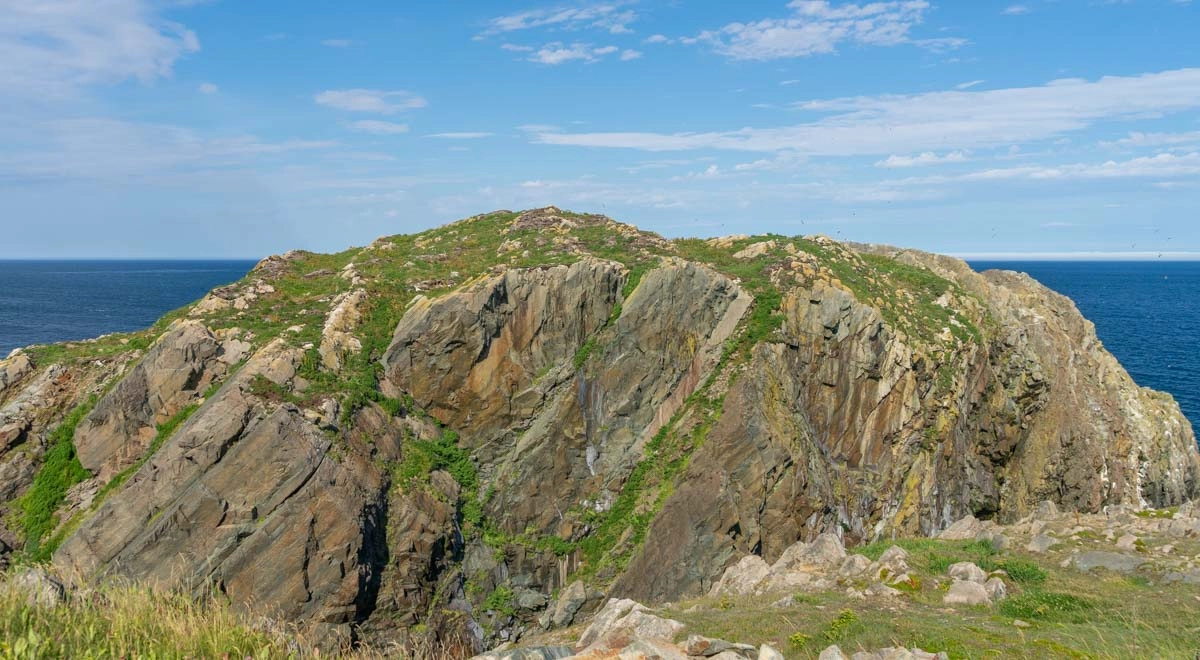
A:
(185, 128)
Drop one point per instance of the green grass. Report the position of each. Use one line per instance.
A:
(38, 507)
(1072, 614)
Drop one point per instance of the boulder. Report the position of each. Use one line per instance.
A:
(966, 593)
(832, 653)
(996, 589)
(705, 647)
(766, 652)
(1112, 561)
(40, 588)
(967, 571)
(1041, 543)
(743, 577)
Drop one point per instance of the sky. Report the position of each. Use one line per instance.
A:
(226, 128)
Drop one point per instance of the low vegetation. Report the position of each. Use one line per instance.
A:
(37, 509)
(1051, 612)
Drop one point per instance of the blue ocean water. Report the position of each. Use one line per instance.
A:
(49, 301)
(1147, 313)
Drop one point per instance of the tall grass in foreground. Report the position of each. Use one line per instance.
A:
(129, 622)
(137, 622)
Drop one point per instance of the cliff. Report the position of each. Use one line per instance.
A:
(482, 430)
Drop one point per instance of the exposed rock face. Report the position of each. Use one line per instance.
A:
(175, 372)
(246, 495)
(337, 338)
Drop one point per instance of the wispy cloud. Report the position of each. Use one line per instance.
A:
(108, 149)
(1015, 10)
(337, 43)
(956, 120)
(378, 127)
(969, 84)
(817, 27)
(560, 53)
(1138, 139)
(49, 47)
(461, 135)
(207, 88)
(611, 17)
(922, 159)
(370, 100)
(630, 54)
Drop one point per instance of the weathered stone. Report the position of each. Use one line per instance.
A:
(832, 653)
(39, 587)
(705, 647)
(1112, 561)
(1041, 543)
(337, 337)
(965, 570)
(174, 373)
(854, 565)
(246, 495)
(1127, 542)
(743, 577)
(996, 589)
(766, 652)
(966, 593)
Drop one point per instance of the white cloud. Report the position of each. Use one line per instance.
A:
(208, 88)
(539, 128)
(969, 84)
(104, 149)
(817, 26)
(49, 47)
(922, 159)
(379, 127)
(516, 48)
(337, 43)
(1015, 10)
(607, 16)
(559, 53)
(1139, 139)
(370, 100)
(630, 54)
(789, 83)
(461, 135)
(658, 39)
(956, 120)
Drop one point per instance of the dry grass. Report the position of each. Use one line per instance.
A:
(116, 621)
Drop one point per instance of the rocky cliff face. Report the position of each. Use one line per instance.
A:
(450, 428)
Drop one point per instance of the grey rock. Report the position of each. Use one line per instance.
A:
(766, 652)
(996, 589)
(39, 587)
(966, 593)
(967, 571)
(1041, 543)
(832, 653)
(706, 647)
(569, 602)
(1118, 563)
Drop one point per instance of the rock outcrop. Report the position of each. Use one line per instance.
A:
(568, 410)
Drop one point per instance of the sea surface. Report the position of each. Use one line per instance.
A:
(49, 301)
(1146, 313)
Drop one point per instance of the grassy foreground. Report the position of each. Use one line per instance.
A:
(116, 622)
(1051, 612)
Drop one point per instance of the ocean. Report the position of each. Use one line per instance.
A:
(1146, 313)
(48, 301)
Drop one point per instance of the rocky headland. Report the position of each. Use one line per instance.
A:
(519, 423)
